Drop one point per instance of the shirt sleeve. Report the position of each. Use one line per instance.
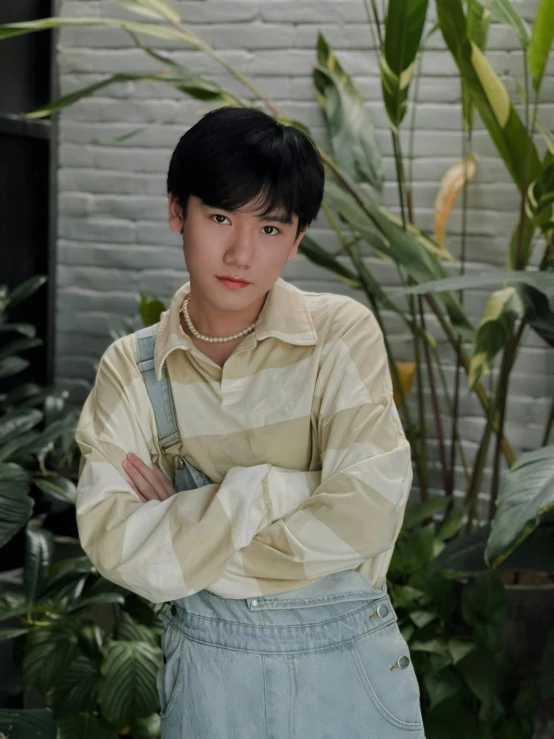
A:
(168, 549)
(356, 511)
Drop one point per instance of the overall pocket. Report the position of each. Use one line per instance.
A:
(171, 673)
(384, 665)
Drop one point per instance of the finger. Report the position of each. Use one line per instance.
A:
(170, 490)
(142, 498)
(138, 481)
(146, 480)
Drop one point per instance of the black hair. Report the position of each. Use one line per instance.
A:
(234, 155)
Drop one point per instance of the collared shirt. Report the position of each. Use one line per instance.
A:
(298, 430)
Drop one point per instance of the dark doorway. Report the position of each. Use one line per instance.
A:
(27, 177)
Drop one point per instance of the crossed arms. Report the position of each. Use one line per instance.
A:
(261, 522)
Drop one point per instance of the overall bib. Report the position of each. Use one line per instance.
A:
(326, 661)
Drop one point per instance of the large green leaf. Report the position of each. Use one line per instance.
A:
(351, 131)
(464, 553)
(16, 505)
(27, 329)
(192, 86)
(30, 723)
(489, 95)
(68, 578)
(494, 332)
(485, 606)
(49, 650)
(540, 197)
(541, 41)
(58, 487)
(150, 308)
(53, 433)
(39, 548)
(317, 255)
(85, 726)
(12, 366)
(18, 422)
(543, 281)
(416, 513)
(147, 728)
(12, 605)
(403, 30)
(521, 242)
(16, 448)
(20, 345)
(504, 11)
(539, 314)
(8, 634)
(9, 30)
(28, 287)
(478, 22)
(527, 492)
(76, 689)
(481, 676)
(127, 629)
(409, 248)
(128, 684)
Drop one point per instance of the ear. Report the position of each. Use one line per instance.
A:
(175, 214)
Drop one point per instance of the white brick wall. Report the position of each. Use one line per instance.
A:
(113, 236)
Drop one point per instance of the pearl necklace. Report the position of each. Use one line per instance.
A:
(212, 339)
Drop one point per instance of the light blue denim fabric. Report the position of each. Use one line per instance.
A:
(326, 661)
(314, 663)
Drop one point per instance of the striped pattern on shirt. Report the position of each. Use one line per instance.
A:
(298, 430)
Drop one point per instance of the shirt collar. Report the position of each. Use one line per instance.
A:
(284, 316)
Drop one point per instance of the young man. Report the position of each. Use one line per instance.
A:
(275, 560)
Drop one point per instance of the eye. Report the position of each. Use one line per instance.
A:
(218, 215)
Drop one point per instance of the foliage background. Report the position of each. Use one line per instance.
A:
(113, 239)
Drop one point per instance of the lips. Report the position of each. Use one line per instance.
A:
(232, 279)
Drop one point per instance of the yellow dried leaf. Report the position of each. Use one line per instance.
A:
(452, 183)
(406, 371)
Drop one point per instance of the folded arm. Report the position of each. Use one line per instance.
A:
(171, 548)
(356, 511)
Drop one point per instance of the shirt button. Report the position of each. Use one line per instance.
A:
(174, 610)
(382, 610)
(254, 602)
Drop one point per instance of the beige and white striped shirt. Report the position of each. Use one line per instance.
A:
(299, 432)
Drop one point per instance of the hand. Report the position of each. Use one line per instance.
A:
(149, 484)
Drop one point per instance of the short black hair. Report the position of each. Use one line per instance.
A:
(235, 155)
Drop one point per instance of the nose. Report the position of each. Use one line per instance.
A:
(241, 247)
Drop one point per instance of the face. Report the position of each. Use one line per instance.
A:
(219, 243)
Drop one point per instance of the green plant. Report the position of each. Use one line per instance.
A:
(452, 614)
(38, 454)
(90, 648)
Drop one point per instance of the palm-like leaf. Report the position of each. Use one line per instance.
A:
(350, 128)
(128, 684)
(403, 30)
(527, 493)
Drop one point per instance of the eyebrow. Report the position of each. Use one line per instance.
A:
(278, 217)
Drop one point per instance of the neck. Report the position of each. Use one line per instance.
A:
(211, 321)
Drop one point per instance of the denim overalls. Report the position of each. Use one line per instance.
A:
(326, 661)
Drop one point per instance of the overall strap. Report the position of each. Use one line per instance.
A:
(159, 393)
